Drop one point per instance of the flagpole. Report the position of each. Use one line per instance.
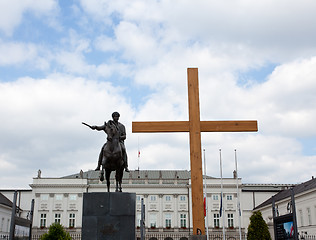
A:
(138, 154)
(238, 201)
(205, 197)
(222, 205)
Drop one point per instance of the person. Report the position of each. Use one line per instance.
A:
(121, 128)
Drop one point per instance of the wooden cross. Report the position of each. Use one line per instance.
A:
(194, 126)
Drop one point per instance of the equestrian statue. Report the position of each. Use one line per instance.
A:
(113, 156)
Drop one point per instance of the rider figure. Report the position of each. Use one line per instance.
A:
(122, 132)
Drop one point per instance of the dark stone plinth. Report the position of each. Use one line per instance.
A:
(108, 216)
(197, 237)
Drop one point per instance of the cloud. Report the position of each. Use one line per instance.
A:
(73, 62)
(98, 10)
(42, 124)
(11, 12)
(105, 43)
(284, 106)
(262, 22)
(267, 27)
(130, 10)
(16, 53)
(287, 99)
(131, 57)
(261, 158)
(21, 54)
(137, 43)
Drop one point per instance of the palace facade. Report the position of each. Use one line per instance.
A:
(166, 196)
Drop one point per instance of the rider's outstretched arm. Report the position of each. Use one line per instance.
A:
(99, 128)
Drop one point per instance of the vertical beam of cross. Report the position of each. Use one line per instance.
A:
(195, 151)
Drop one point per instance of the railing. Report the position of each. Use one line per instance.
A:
(185, 236)
(4, 236)
(74, 236)
(173, 236)
(306, 237)
(163, 236)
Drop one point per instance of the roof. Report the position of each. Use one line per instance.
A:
(5, 201)
(300, 188)
(141, 176)
(134, 174)
(265, 187)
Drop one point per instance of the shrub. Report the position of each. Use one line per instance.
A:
(56, 232)
(258, 229)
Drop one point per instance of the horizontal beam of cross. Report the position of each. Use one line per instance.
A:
(184, 126)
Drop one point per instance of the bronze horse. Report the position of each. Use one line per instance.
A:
(112, 157)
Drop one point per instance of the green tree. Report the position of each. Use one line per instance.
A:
(56, 232)
(258, 229)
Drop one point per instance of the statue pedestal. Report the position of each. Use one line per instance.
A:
(108, 216)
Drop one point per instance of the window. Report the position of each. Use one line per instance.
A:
(301, 217)
(44, 197)
(58, 197)
(43, 220)
(72, 218)
(138, 219)
(183, 220)
(230, 218)
(182, 198)
(2, 225)
(215, 197)
(168, 220)
(138, 198)
(216, 220)
(229, 197)
(315, 212)
(153, 220)
(153, 198)
(309, 216)
(168, 198)
(72, 197)
(57, 217)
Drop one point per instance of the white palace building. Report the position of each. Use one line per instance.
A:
(166, 195)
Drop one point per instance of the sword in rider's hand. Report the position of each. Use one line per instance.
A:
(87, 125)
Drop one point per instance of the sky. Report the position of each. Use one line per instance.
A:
(67, 62)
